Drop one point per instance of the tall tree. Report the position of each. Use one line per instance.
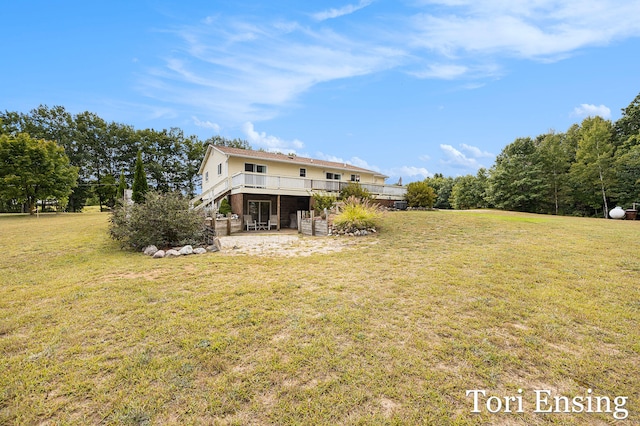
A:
(554, 156)
(628, 125)
(106, 191)
(34, 169)
(627, 169)
(164, 158)
(232, 143)
(91, 135)
(516, 179)
(140, 186)
(442, 186)
(469, 192)
(194, 152)
(592, 171)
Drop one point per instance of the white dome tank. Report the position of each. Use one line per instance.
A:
(617, 213)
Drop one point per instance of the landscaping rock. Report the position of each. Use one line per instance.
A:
(213, 248)
(158, 254)
(186, 250)
(217, 243)
(199, 250)
(172, 253)
(150, 250)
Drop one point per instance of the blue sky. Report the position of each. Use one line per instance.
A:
(407, 88)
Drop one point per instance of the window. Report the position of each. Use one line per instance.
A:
(219, 169)
(303, 172)
(334, 176)
(355, 178)
(206, 176)
(255, 168)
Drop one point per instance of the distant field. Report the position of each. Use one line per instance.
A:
(394, 332)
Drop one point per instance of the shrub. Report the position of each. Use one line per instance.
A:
(164, 220)
(358, 214)
(420, 194)
(354, 189)
(321, 202)
(225, 207)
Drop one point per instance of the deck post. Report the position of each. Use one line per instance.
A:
(278, 213)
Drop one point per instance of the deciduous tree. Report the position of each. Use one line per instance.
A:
(516, 179)
(592, 172)
(34, 169)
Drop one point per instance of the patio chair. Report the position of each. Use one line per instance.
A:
(250, 223)
(273, 221)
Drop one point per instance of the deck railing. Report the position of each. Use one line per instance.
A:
(263, 181)
(205, 199)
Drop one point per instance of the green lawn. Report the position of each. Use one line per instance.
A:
(394, 332)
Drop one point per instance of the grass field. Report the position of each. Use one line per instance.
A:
(394, 332)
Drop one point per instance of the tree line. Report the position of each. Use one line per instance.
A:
(101, 151)
(585, 171)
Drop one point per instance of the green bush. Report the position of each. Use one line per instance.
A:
(321, 202)
(356, 214)
(354, 189)
(225, 207)
(164, 220)
(420, 194)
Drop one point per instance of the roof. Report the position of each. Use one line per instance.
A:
(284, 158)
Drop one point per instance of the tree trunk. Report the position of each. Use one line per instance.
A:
(604, 197)
(555, 190)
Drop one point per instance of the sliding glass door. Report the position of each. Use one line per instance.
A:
(260, 210)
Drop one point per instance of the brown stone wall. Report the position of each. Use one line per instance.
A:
(237, 204)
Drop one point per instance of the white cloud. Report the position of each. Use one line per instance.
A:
(475, 151)
(359, 162)
(534, 29)
(456, 158)
(410, 172)
(249, 69)
(345, 10)
(589, 110)
(223, 69)
(206, 124)
(268, 142)
(424, 157)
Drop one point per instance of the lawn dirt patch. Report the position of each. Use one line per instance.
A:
(286, 245)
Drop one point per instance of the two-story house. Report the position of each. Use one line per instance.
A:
(263, 184)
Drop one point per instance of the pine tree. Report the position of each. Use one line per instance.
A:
(140, 186)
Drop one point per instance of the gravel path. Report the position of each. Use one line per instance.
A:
(282, 244)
